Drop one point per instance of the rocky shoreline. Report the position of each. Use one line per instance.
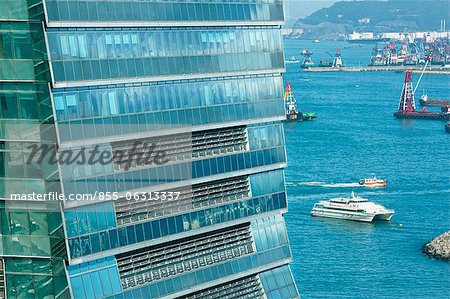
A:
(439, 247)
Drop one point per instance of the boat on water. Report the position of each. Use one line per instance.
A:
(316, 41)
(351, 208)
(425, 101)
(325, 63)
(447, 128)
(373, 182)
(290, 106)
(292, 60)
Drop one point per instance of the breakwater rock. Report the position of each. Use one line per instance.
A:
(439, 247)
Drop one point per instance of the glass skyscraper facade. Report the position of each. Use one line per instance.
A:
(200, 81)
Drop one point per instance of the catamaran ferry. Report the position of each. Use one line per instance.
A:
(353, 208)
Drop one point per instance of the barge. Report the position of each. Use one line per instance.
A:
(407, 107)
(290, 105)
(422, 115)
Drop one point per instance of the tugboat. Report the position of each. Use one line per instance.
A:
(292, 113)
(352, 208)
(373, 182)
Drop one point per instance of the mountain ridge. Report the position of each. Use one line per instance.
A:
(374, 16)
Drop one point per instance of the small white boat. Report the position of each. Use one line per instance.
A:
(292, 60)
(352, 208)
(316, 41)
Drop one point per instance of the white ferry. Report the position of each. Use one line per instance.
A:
(353, 208)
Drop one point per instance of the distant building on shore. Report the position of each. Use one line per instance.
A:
(289, 33)
(364, 37)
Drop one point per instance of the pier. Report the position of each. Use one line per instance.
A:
(397, 68)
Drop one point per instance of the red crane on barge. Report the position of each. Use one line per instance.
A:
(407, 106)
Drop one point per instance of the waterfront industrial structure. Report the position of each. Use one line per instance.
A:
(307, 60)
(411, 53)
(200, 81)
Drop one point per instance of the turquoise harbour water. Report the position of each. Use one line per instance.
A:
(355, 135)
